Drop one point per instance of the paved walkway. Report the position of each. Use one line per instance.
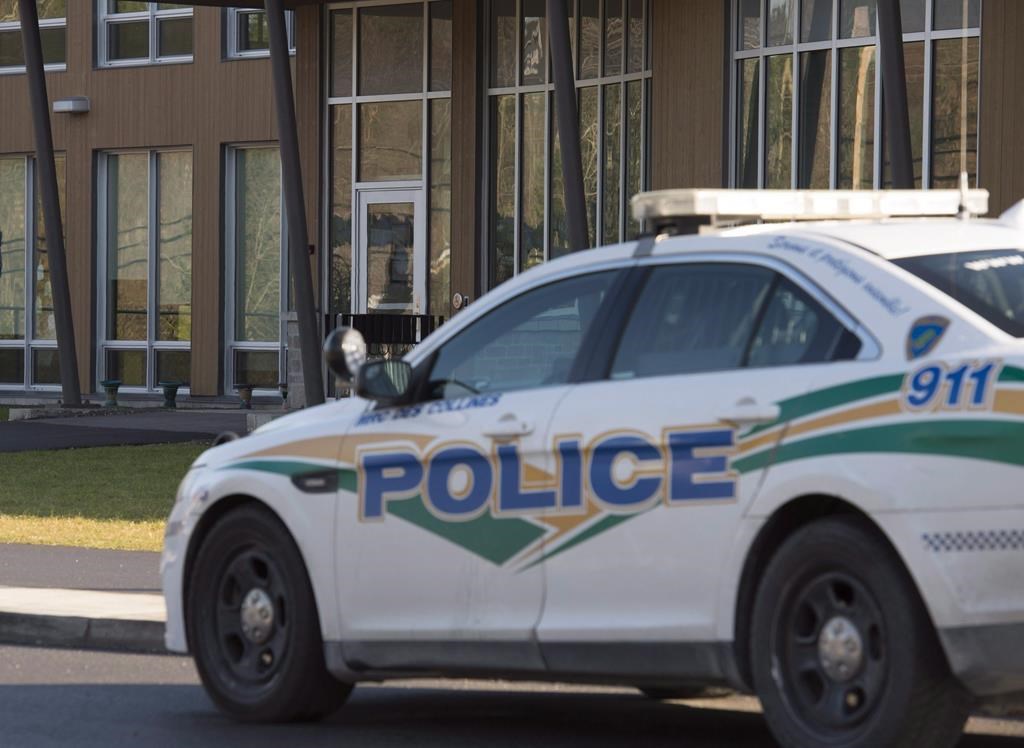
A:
(79, 568)
(156, 427)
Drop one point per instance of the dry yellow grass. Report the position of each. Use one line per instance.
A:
(85, 533)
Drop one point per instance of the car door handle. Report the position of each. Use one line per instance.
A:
(748, 412)
(509, 426)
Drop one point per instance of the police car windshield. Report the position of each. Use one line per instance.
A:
(990, 282)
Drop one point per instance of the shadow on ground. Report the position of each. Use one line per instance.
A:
(174, 715)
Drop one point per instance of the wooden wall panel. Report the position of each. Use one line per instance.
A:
(1001, 155)
(688, 111)
(206, 105)
(466, 124)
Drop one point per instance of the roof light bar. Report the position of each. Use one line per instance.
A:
(730, 206)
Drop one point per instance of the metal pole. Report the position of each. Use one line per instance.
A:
(47, 169)
(894, 94)
(295, 205)
(568, 124)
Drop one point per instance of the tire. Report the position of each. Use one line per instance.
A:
(263, 669)
(882, 679)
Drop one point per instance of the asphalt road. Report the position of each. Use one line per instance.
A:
(64, 697)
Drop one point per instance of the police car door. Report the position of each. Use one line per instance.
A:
(669, 444)
(449, 490)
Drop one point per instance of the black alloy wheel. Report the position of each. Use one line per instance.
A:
(252, 623)
(842, 650)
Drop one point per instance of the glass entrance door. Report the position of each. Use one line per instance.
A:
(391, 257)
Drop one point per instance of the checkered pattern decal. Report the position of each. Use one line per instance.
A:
(981, 540)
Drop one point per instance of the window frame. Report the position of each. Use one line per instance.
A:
(29, 343)
(870, 349)
(105, 19)
(231, 342)
(602, 83)
(425, 96)
(152, 346)
(44, 23)
(230, 20)
(835, 44)
(619, 274)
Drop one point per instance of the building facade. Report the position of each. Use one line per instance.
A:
(430, 154)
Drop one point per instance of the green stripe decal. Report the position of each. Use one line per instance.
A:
(602, 525)
(492, 538)
(831, 397)
(995, 441)
(1011, 374)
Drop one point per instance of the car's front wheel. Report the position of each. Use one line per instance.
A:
(842, 651)
(252, 623)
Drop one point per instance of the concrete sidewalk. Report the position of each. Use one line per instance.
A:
(82, 619)
(59, 596)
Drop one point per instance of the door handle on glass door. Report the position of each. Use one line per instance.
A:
(747, 412)
(509, 426)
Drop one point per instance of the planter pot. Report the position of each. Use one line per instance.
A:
(110, 387)
(245, 395)
(170, 393)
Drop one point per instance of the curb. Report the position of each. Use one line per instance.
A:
(73, 632)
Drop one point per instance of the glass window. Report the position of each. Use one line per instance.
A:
(147, 236)
(258, 268)
(856, 118)
(141, 33)
(832, 51)
(692, 318)
(391, 49)
(778, 164)
(526, 220)
(796, 329)
(955, 111)
(52, 34)
(392, 129)
(247, 32)
(390, 141)
(26, 305)
(989, 282)
(530, 341)
(815, 119)
(781, 15)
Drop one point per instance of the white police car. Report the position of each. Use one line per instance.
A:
(785, 457)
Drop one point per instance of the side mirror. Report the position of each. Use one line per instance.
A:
(345, 353)
(386, 382)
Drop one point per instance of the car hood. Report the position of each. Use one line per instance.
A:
(338, 412)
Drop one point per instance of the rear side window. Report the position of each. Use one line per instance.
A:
(694, 318)
(989, 282)
(796, 329)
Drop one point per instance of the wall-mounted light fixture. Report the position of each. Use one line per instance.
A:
(72, 105)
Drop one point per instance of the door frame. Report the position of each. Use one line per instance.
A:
(376, 196)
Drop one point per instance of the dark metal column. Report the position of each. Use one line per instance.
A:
(295, 206)
(568, 123)
(894, 94)
(46, 168)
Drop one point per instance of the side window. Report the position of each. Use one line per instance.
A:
(796, 329)
(530, 341)
(691, 318)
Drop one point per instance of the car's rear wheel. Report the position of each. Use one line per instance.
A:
(842, 651)
(252, 623)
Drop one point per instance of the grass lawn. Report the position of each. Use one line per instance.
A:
(101, 497)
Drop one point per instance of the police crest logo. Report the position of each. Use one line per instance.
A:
(924, 335)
